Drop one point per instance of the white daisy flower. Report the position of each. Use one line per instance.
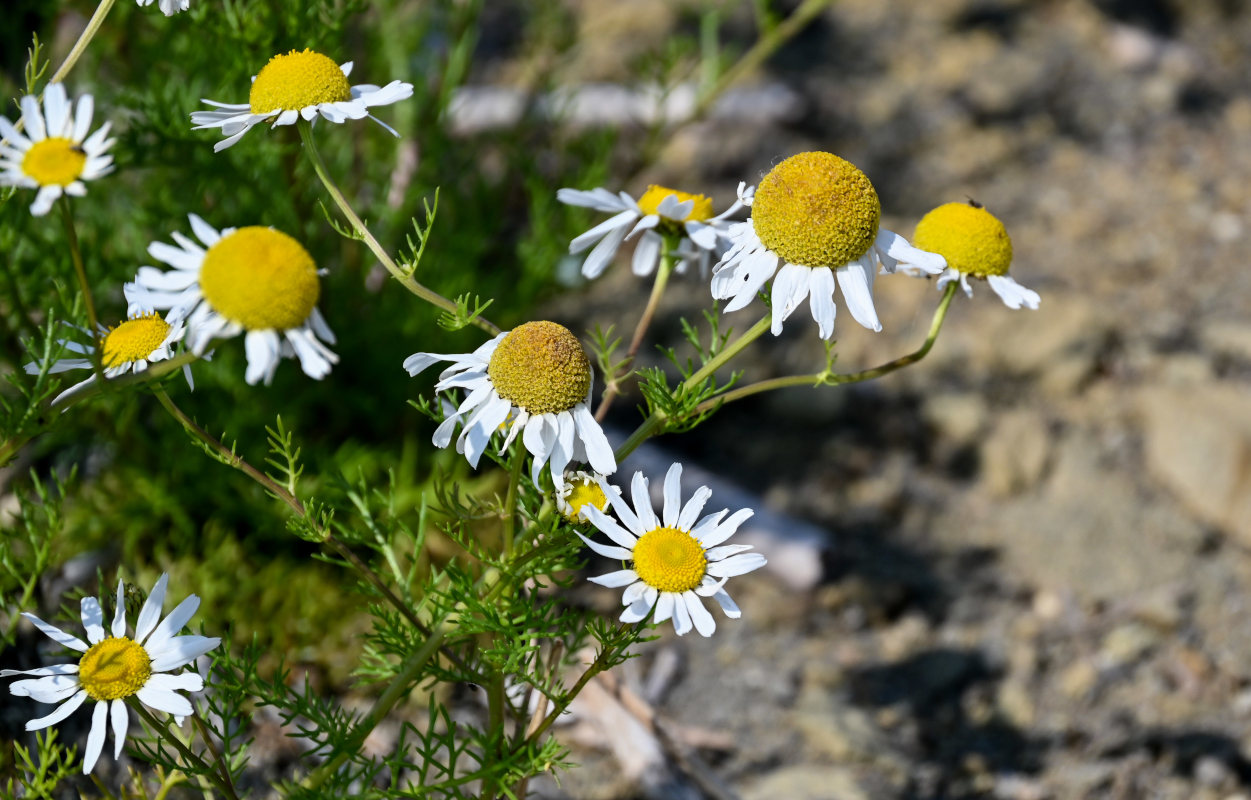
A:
(130, 346)
(534, 380)
(55, 154)
(299, 85)
(115, 667)
(168, 7)
(580, 489)
(659, 211)
(976, 245)
(819, 217)
(674, 561)
(254, 280)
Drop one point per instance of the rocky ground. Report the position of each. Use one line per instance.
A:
(1036, 579)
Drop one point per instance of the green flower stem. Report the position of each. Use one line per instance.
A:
(657, 419)
(84, 38)
(230, 458)
(827, 378)
(658, 288)
(76, 256)
(597, 666)
(405, 278)
(220, 780)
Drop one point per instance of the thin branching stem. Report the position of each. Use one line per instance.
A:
(640, 331)
(220, 780)
(406, 280)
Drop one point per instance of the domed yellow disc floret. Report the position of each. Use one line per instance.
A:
(582, 491)
(298, 80)
(260, 278)
(816, 210)
(115, 668)
(670, 560)
(972, 239)
(540, 367)
(134, 339)
(54, 161)
(655, 195)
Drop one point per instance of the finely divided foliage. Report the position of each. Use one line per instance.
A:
(340, 547)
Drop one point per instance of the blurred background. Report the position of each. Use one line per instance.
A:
(1033, 561)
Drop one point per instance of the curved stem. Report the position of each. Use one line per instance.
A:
(404, 277)
(84, 38)
(76, 256)
(656, 420)
(221, 781)
(658, 288)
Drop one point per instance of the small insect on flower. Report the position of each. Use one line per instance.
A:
(658, 212)
(115, 667)
(256, 281)
(55, 154)
(674, 560)
(819, 216)
(976, 245)
(534, 380)
(300, 85)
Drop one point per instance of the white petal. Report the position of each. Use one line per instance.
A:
(673, 495)
(646, 254)
(151, 611)
(607, 551)
(157, 694)
(119, 616)
(614, 580)
(725, 551)
(264, 351)
(172, 624)
(93, 619)
(121, 721)
(56, 110)
(48, 689)
(690, 512)
(619, 224)
(704, 623)
(57, 635)
(821, 301)
(727, 605)
(598, 199)
(62, 711)
(1013, 294)
(180, 651)
(603, 253)
(33, 117)
(681, 617)
(790, 288)
(633, 592)
(598, 451)
(664, 607)
(610, 528)
(856, 281)
(622, 508)
(82, 118)
(636, 611)
(643, 503)
(897, 248)
(95, 739)
(724, 530)
(736, 565)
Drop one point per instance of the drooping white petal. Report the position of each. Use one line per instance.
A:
(62, 711)
(790, 288)
(646, 254)
(48, 689)
(95, 739)
(727, 605)
(821, 301)
(598, 451)
(725, 551)
(1013, 294)
(664, 607)
(704, 623)
(607, 551)
(603, 253)
(856, 281)
(681, 617)
(636, 611)
(897, 248)
(121, 721)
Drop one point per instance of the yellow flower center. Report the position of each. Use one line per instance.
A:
(655, 195)
(260, 278)
(54, 161)
(540, 367)
(298, 80)
(972, 239)
(583, 491)
(116, 667)
(134, 339)
(670, 560)
(816, 210)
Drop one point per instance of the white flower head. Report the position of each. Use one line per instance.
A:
(115, 666)
(658, 211)
(168, 7)
(256, 281)
(976, 245)
(674, 560)
(534, 380)
(300, 84)
(819, 216)
(54, 154)
(144, 338)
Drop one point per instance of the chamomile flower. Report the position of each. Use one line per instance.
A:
(580, 490)
(658, 211)
(295, 85)
(674, 560)
(256, 281)
(534, 380)
(54, 154)
(976, 245)
(145, 337)
(115, 666)
(168, 7)
(820, 218)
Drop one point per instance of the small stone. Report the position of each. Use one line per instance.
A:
(1212, 772)
(1078, 679)
(1230, 338)
(1016, 452)
(957, 417)
(807, 782)
(1126, 644)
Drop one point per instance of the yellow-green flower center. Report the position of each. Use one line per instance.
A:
(670, 560)
(583, 491)
(54, 161)
(816, 210)
(134, 339)
(655, 195)
(972, 239)
(115, 668)
(540, 367)
(298, 80)
(260, 278)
